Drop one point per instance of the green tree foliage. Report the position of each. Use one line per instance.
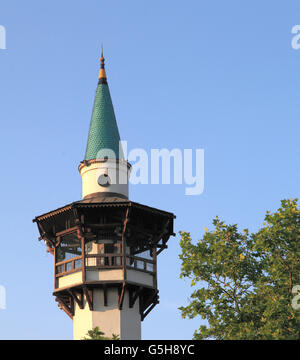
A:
(97, 334)
(244, 281)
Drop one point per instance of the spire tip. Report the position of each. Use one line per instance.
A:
(102, 74)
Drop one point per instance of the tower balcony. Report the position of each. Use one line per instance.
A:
(105, 250)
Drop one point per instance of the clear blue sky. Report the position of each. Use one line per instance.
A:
(218, 75)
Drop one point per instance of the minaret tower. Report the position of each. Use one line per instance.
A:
(105, 246)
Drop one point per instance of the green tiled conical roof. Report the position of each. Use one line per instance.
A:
(104, 133)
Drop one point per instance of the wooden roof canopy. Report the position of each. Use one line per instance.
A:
(145, 226)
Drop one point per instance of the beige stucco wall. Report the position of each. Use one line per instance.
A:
(82, 321)
(131, 325)
(135, 276)
(67, 280)
(104, 275)
(139, 277)
(125, 323)
(115, 170)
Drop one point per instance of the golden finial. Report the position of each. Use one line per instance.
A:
(102, 74)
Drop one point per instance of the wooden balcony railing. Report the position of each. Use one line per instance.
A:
(99, 261)
(69, 266)
(140, 264)
(104, 261)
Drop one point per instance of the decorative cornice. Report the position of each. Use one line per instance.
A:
(100, 161)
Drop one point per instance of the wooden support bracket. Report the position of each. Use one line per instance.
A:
(133, 297)
(148, 310)
(77, 297)
(89, 297)
(105, 294)
(68, 308)
(121, 296)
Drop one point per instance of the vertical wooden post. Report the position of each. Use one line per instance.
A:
(154, 267)
(83, 259)
(124, 244)
(55, 280)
